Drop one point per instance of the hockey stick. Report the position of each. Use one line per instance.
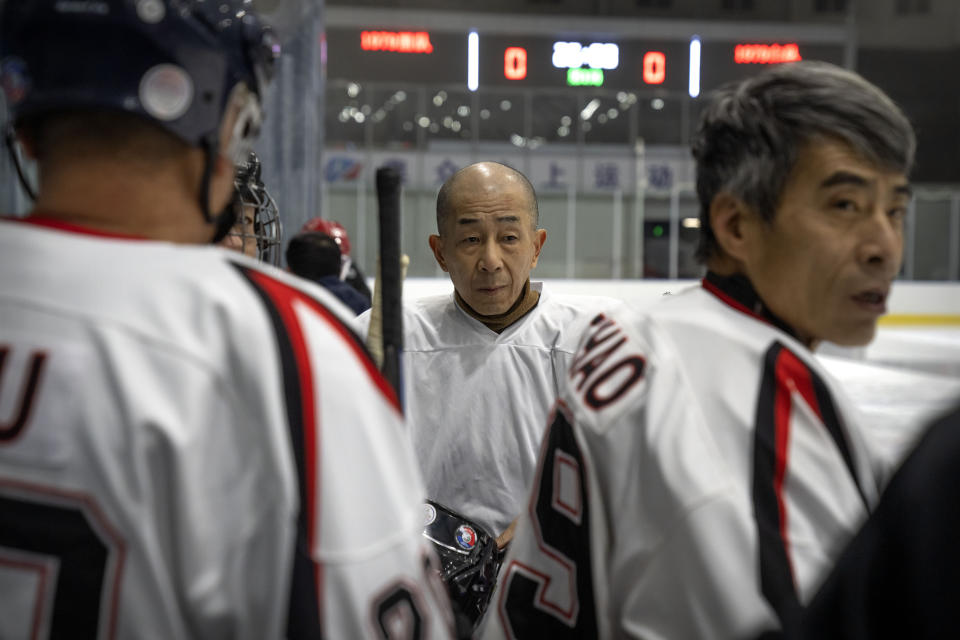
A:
(390, 277)
(374, 340)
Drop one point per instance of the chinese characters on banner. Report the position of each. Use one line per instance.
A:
(663, 168)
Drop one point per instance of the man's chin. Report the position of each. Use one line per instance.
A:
(859, 337)
(490, 304)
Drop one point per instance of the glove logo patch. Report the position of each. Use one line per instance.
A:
(429, 514)
(466, 537)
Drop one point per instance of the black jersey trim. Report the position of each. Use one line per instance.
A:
(770, 463)
(303, 620)
(837, 430)
(776, 574)
(737, 291)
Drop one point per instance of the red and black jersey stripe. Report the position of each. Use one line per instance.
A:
(304, 614)
(303, 420)
(737, 291)
(785, 374)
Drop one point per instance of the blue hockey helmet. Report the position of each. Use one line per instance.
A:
(174, 62)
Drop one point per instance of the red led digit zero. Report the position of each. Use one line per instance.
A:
(515, 63)
(654, 67)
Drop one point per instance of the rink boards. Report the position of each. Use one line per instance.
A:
(908, 375)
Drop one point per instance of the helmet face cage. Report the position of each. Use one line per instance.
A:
(258, 218)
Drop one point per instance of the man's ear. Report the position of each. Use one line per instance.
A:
(223, 166)
(435, 245)
(539, 238)
(729, 218)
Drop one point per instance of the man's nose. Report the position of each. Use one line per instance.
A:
(490, 258)
(881, 245)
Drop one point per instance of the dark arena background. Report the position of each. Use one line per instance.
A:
(594, 100)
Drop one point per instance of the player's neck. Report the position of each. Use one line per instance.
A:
(724, 265)
(156, 206)
(727, 267)
(526, 301)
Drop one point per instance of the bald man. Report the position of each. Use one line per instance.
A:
(482, 366)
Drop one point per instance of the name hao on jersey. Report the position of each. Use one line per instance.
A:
(605, 368)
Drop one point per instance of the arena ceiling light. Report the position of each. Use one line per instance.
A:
(473, 61)
(589, 110)
(694, 83)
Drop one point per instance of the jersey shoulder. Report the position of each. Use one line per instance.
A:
(618, 353)
(566, 317)
(436, 322)
(698, 312)
(304, 318)
(268, 276)
(581, 304)
(430, 309)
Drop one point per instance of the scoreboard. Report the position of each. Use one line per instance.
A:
(560, 62)
(539, 62)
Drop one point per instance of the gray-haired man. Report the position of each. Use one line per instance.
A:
(701, 472)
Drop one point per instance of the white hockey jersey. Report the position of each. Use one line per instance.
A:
(195, 446)
(697, 481)
(477, 401)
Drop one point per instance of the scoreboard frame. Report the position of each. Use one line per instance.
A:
(661, 65)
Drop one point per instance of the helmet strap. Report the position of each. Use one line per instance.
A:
(224, 220)
(10, 138)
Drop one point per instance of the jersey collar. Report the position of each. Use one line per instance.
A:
(527, 300)
(737, 291)
(41, 220)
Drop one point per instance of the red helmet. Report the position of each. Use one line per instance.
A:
(333, 229)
